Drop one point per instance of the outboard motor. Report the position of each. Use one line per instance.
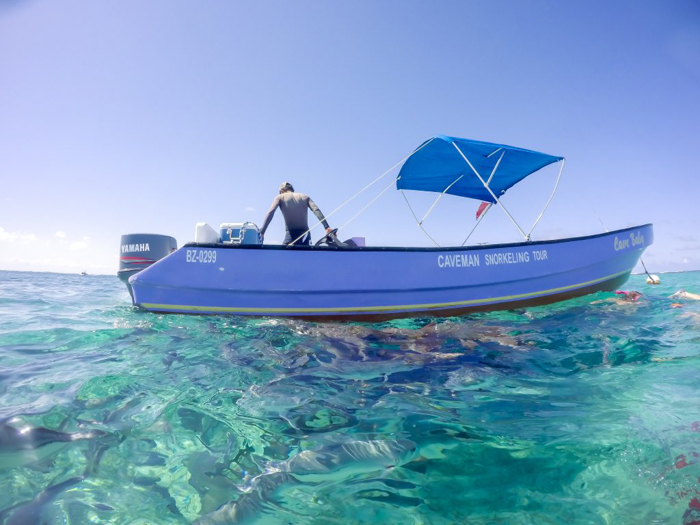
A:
(140, 250)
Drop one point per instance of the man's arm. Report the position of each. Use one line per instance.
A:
(270, 214)
(318, 213)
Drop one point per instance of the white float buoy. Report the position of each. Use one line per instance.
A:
(653, 279)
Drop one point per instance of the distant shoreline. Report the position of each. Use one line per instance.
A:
(115, 272)
(78, 274)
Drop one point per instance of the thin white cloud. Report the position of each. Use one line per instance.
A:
(60, 235)
(86, 238)
(16, 236)
(250, 209)
(686, 238)
(80, 245)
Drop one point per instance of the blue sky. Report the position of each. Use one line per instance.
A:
(121, 117)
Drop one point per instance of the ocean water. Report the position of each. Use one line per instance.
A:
(586, 411)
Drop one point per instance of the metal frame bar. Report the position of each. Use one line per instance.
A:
(493, 153)
(417, 221)
(493, 171)
(478, 222)
(439, 197)
(525, 236)
(556, 185)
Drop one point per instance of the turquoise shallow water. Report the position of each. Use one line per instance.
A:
(586, 411)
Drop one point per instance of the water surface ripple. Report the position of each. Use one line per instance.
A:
(582, 412)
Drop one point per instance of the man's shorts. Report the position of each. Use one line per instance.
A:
(295, 234)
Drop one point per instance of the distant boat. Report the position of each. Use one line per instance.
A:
(347, 282)
(83, 273)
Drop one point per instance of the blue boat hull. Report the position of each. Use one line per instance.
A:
(385, 283)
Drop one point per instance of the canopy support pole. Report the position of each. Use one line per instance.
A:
(527, 237)
(493, 171)
(556, 185)
(477, 223)
(417, 221)
(439, 197)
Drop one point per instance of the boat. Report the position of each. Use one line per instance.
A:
(334, 280)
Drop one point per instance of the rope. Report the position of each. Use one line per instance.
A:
(363, 189)
(606, 229)
(597, 216)
(645, 269)
(367, 206)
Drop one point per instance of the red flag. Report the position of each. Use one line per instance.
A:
(482, 208)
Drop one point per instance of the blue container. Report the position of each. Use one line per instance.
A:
(240, 233)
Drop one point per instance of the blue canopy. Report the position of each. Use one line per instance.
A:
(437, 164)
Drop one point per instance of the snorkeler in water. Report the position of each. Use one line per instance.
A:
(629, 297)
(682, 294)
(622, 297)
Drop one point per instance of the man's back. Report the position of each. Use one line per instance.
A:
(293, 206)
